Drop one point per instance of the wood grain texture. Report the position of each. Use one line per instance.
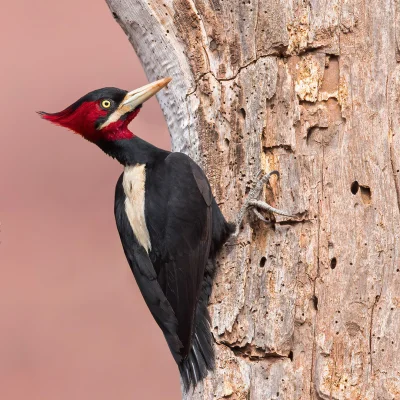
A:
(305, 309)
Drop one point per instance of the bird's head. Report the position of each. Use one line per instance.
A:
(104, 114)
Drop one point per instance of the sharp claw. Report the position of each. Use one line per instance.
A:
(252, 203)
(267, 176)
(267, 207)
(255, 192)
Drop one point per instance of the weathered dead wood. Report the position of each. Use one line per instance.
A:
(308, 309)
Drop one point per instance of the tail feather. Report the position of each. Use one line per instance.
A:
(195, 366)
(201, 359)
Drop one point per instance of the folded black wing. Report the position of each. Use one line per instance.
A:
(172, 293)
(187, 241)
(146, 277)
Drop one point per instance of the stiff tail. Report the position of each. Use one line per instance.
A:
(195, 366)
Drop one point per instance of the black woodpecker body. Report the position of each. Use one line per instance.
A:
(170, 228)
(167, 218)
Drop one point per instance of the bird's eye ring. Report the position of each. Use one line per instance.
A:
(106, 103)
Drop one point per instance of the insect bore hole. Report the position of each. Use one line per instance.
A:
(354, 187)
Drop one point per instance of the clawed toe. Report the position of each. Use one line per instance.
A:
(267, 207)
(256, 205)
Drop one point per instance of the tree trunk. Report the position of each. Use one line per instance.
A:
(307, 308)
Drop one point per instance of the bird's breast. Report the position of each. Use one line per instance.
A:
(134, 181)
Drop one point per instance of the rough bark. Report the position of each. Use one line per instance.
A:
(305, 309)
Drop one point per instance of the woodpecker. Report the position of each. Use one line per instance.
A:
(168, 221)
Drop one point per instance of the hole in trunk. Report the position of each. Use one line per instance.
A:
(365, 194)
(354, 187)
(315, 301)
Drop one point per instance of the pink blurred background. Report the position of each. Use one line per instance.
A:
(73, 324)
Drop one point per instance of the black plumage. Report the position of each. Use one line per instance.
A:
(168, 220)
(186, 228)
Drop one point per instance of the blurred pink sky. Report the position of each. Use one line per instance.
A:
(73, 323)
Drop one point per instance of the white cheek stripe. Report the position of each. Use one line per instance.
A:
(117, 114)
(134, 186)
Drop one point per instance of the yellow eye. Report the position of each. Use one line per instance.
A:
(106, 103)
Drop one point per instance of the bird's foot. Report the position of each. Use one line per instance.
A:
(256, 205)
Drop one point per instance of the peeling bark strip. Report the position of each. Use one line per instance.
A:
(307, 310)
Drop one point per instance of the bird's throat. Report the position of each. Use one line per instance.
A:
(132, 150)
(123, 133)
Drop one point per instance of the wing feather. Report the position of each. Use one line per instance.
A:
(187, 241)
(180, 238)
(146, 277)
